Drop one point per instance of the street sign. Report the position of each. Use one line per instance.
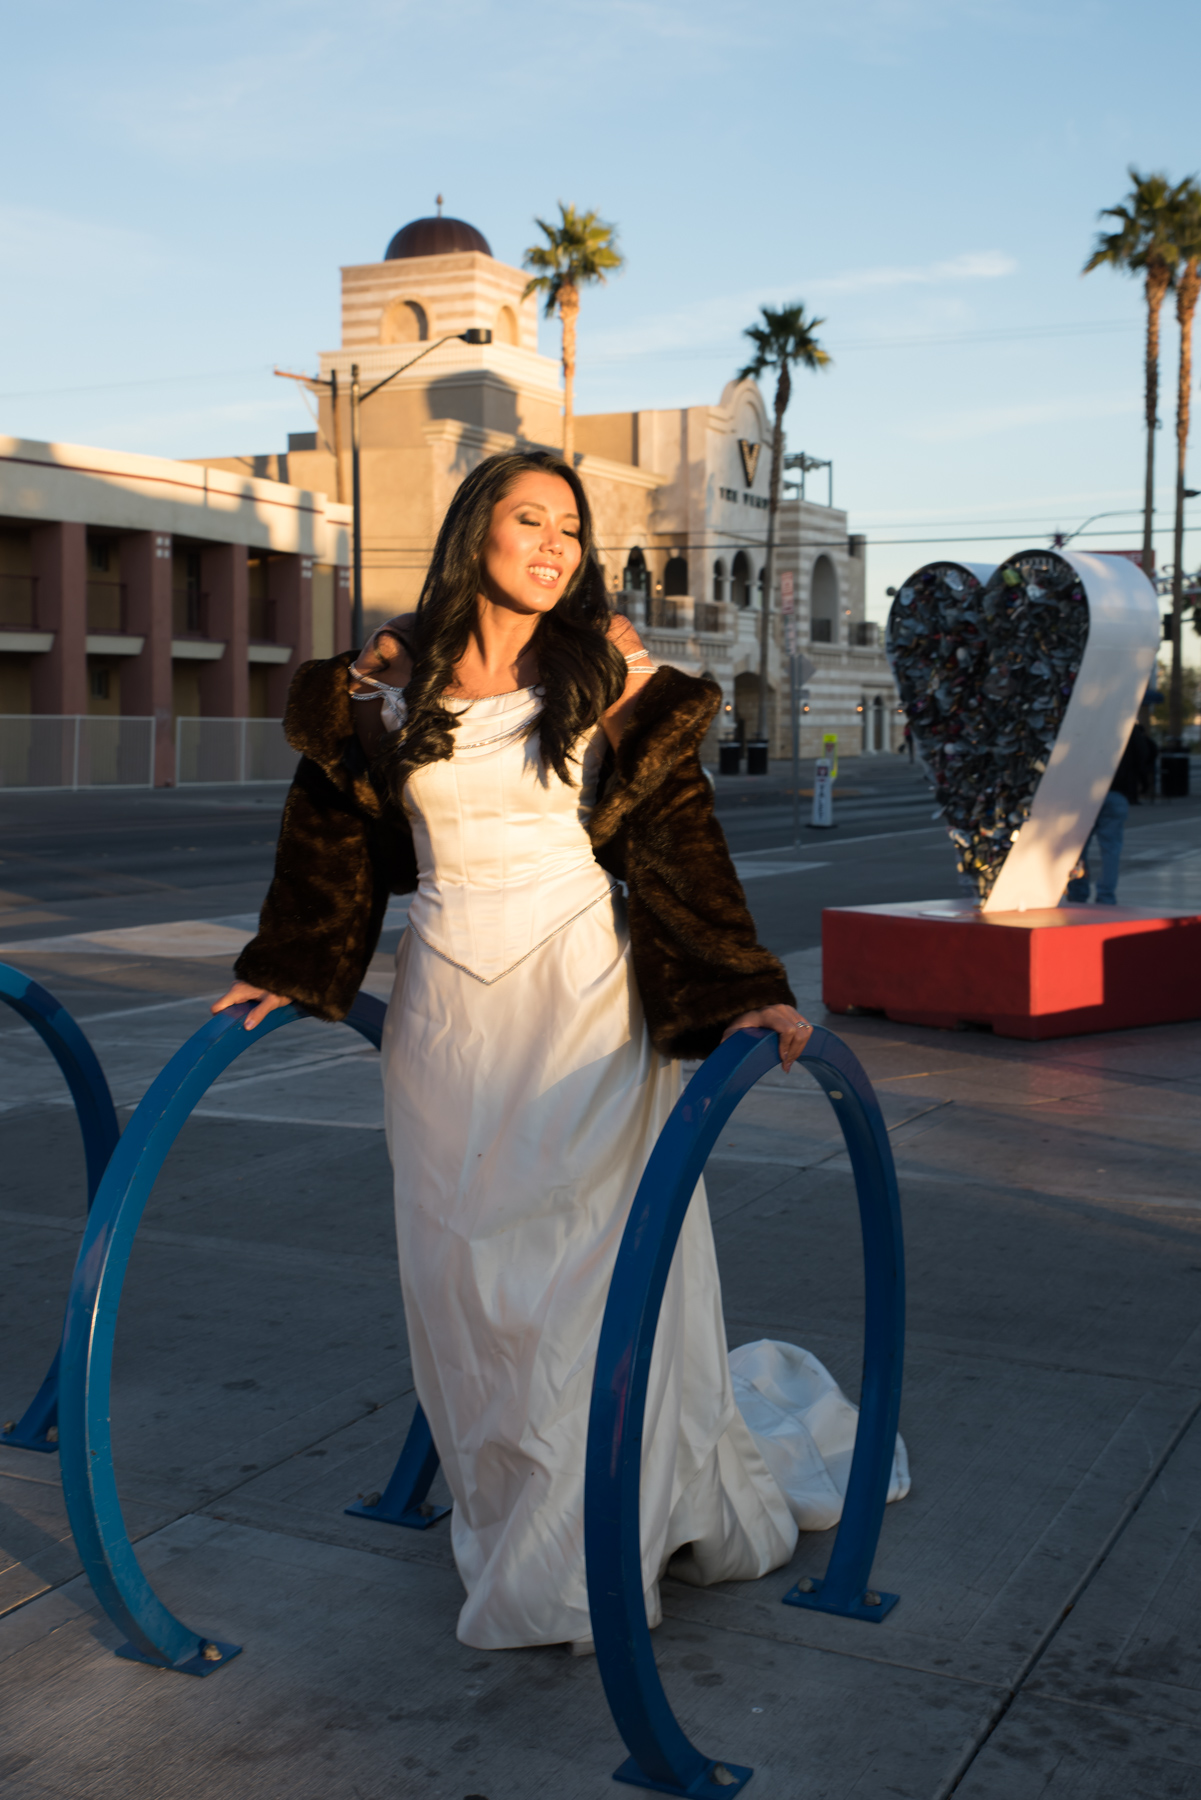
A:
(787, 592)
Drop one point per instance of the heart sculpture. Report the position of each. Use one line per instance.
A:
(1021, 687)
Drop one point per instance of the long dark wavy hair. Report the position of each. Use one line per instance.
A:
(579, 668)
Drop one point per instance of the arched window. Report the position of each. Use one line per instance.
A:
(675, 576)
(740, 580)
(823, 603)
(404, 322)
(635, 579)
(762, 577)
(505, 329)
(719, 581)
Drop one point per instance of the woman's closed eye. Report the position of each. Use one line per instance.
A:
(567, 530)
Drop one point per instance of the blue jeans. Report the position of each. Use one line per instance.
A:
(1107, 835)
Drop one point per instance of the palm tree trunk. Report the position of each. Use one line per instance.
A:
(783, 391)
(569, 306)
(1158, 278)
(1187, 288)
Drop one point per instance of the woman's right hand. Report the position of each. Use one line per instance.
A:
(240, 992)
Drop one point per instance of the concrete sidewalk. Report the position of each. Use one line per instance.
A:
(1047, 1557)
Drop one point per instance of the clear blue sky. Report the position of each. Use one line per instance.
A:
(181, 183)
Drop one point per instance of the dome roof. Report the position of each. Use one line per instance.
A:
(436, 237)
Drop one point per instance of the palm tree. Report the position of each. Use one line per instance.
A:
(785, 337)
(580, 248)
(1144, 244)
(1187, 232)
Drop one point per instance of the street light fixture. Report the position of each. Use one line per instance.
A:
(476, 335)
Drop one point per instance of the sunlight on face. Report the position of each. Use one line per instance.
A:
(533, 545)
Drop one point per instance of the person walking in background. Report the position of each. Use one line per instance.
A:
(1135, 777)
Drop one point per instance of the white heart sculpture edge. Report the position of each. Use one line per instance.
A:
(1119, 658)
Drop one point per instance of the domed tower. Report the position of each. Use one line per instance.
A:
(438, 276)
(432, 406)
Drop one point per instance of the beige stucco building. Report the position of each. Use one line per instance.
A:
(140, 588)
(680, 495)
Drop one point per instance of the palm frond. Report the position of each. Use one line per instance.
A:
(581, 248)
(1149, 222)
(783, 338)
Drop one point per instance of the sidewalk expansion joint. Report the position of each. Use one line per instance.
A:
(954, 1780)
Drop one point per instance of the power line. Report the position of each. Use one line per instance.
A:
(914, 340)
(1002, 537)
(1002, 334)
(110, 387)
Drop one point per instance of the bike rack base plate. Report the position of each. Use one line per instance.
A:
(192, 1665)
(812, 1598)
(734, 1779)
(19, 1440)
(417, 1518)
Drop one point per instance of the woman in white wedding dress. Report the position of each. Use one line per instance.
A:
(523, 1091)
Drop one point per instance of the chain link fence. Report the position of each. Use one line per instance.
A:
(223, 750)
(50, 750)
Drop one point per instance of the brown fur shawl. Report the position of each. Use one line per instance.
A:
(343, 849)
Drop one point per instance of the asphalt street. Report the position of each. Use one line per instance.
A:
(136, 857)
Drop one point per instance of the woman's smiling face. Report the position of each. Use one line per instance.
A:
(533, 545)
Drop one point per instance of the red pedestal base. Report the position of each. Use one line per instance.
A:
(1044, 974)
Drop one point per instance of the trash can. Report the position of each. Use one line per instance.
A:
(729, 758)
(756, 757)
(1173, 774)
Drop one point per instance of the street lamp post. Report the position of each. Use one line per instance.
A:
(358, 395)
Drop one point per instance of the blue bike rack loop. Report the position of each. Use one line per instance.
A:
(89, 1484)
(37, 1428)
(661, 1756)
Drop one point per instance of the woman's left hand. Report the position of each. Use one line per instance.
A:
(794, 1031)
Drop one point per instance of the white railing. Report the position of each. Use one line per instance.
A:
(220, 750)
(74, 750)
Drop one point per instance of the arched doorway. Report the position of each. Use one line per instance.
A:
(635, 578)
(746, 706)
(879, 724)
(823, 603)
(740, 580)
(675, 576)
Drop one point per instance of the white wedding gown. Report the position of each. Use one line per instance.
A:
(523, 1097)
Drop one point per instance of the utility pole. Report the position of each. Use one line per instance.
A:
(358, 396)
(339, 478)
(356, 516)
